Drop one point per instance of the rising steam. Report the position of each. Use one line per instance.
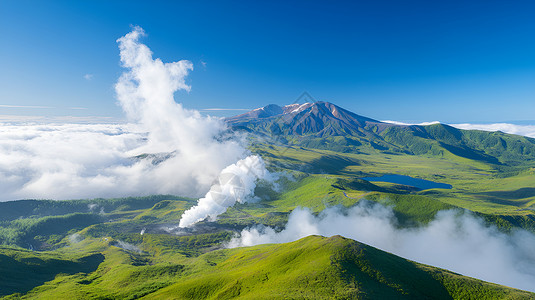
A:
(236, 183)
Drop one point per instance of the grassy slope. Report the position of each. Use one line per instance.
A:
(436, 140)
(477, 186)
(43, 225)
(21, 270)
(314, 267)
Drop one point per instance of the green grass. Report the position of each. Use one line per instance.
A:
(314, 267)
(43, 225)
(12, 210)
(22, 270)
(319, 268)
(477, 186)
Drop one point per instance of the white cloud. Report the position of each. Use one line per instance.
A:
(525, 130)
(66, 161)
(420, 124)
(88, 76)
(461, 243)
(225, 109)
(186, 151)
(24, 106)
(22, 119)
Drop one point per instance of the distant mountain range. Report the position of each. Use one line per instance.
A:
(323, 125)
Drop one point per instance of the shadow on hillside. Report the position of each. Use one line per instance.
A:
(21, 276)
(331, 164)
(466, 152)
(375, 272)
(515, 198)
(512, 195)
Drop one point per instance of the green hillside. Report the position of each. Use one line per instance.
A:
(325, 126)
(22, 269)
(314, 267)
(505, 198)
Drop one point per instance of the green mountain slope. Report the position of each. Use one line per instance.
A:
(506, 199)
(43, 224)
(314, 268)
(323, 125)
(21, 270)
(491, 147)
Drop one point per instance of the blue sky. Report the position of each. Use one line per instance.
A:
(452, 61)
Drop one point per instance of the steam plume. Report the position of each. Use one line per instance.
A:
(236, 183)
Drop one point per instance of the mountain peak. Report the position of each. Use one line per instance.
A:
(318, 118)
(296, 107)
(319, 107)
(262, 112)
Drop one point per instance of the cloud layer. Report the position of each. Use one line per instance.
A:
(461, 243)
(525, 130)
(166, 148)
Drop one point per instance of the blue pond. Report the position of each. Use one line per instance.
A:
(407, 180)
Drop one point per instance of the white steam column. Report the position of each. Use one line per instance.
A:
(236, 183)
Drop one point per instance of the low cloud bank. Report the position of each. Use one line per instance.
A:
(457, 242)
(402, 123)
(166, 149)
(525, 130)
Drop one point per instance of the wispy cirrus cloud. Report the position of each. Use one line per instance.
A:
(225, 109)
(403, 123)
(88, 76)
(18, 119)
(35, 106)
(24, 106)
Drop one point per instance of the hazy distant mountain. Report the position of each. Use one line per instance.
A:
(324, 125)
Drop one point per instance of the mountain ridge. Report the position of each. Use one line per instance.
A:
(324, 125)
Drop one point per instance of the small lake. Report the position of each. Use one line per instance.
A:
(407, 180)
